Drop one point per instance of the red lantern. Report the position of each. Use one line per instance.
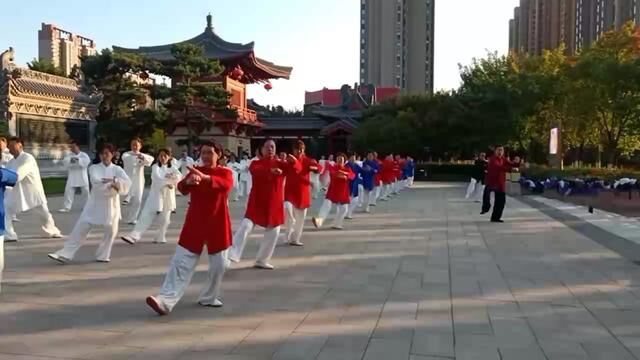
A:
(268, 86)
(237, 73)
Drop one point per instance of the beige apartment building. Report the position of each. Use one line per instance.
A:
(397, 44)
(539, 25)
(62, 47)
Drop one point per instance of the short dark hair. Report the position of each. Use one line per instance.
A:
(341, 154)
(107, 146)
(217, 148)
(17, 139)
(166, 151)
(299, 145)
(138, 139)
(266, 140)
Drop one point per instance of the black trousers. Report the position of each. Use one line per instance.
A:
(498, 207)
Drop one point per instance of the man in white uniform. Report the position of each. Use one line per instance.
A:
(76, 163)
(134, 164)
(108, 182)
(185, 162)
(27, 194)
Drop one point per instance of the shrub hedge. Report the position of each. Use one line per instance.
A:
(462, 172)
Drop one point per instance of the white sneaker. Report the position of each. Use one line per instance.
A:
(63, 210)
(216, 304)
(316, 222)
(295, 243)
(349, 217)
(56, 236)
(264, 266)
(132, 222)
(128, 239)
(336, 227)
(60, 259)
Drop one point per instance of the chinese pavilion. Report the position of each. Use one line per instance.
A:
(241, 67)
(331, 116)
(47, 111)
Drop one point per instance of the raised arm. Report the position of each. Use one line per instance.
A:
(260, 168)
(8, 177)
(222, 181)
(25, 167)
(147, 160)
(123, 181)
(84, 161)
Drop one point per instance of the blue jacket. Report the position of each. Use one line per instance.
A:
(368, 177)
(7, 178)
(357, 180)
(409, 169)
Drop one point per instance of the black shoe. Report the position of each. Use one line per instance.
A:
(484, 212)
(497, 221)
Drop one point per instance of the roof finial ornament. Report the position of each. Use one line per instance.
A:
(209, 22)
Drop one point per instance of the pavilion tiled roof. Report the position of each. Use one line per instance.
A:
(230, 54)
(346, 124)
(294, 123)
(29, 82)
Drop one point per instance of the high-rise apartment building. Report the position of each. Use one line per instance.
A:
(63, 48)
(397, 44)
(545, 24)
(542, 24)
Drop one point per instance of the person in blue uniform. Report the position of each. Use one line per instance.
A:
(7, 178)
(408, 171)
(354, 184)
(370, 168)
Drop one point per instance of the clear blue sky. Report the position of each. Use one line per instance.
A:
(319, 38)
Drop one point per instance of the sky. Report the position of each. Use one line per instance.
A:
(319, 38)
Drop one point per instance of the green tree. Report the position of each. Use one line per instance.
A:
(610, 73)
(193, 101)
(123, 113)
(45, 66)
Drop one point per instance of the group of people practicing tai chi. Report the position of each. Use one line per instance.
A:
(280, 192)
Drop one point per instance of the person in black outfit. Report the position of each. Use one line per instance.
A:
(476, 185)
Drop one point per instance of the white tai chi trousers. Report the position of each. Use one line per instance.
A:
(386, 191)
(355, 202)
(181, 269)
(378, 191)
(471, 188)
(1, 259)
(361, 201)
(79, 234)
(135, 203)
(267, 246)
(69, 194)
(42, 212)
(243, 188)
(294, 222)
(325, 209)
(369, 198)
(410, 181)
(146, 219)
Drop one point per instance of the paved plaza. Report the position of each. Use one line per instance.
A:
(423, 278)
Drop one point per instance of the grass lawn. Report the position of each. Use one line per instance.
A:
(54, 186)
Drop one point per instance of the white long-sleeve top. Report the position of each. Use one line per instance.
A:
(77, 165)
(103, 205)
(134, 168)
(28, 192)
(162, 193)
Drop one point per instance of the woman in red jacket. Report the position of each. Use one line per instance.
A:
(266, 204)
(338, 193)
(388, 177)
(297, 194)
(207, 223)
(496, 178)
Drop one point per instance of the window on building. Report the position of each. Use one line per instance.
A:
(398, 82)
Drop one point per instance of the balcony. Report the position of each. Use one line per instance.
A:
(246, 115)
